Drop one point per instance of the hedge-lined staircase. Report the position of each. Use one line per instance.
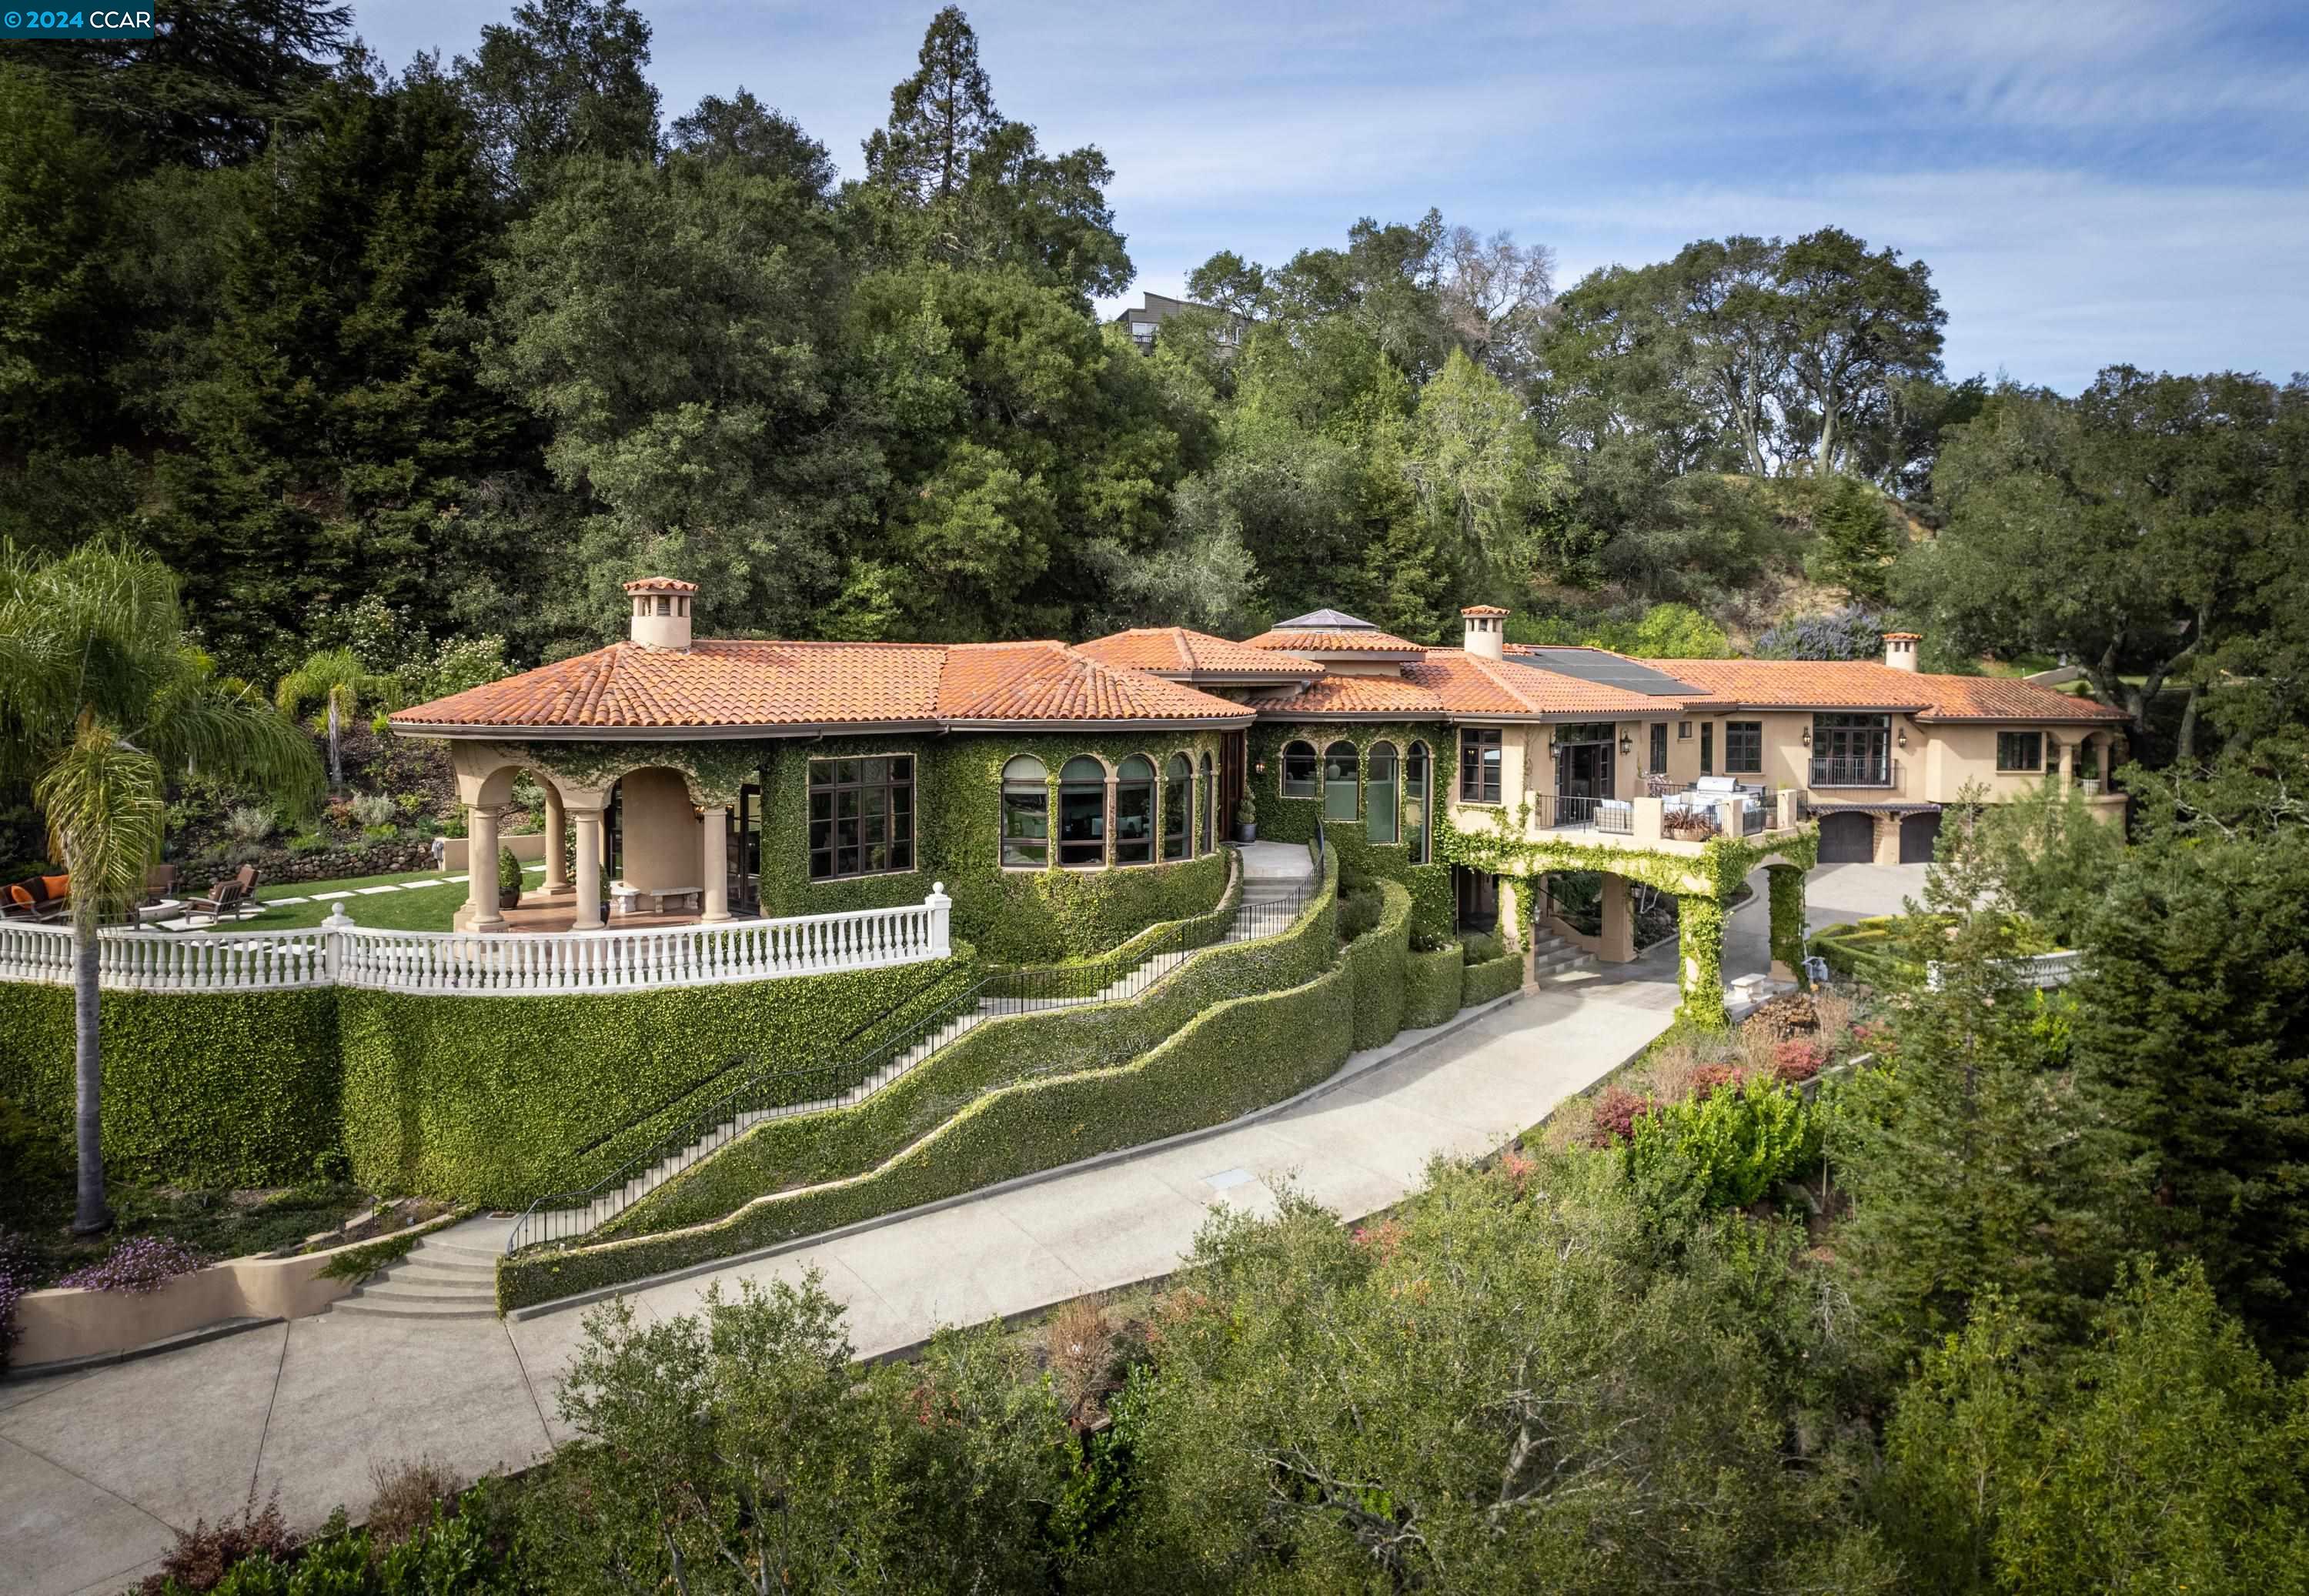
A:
(449, 1274)
(1276, 882)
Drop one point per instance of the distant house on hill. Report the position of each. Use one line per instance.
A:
(1155, 309)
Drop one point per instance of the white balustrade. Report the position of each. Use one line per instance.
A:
(339, 952)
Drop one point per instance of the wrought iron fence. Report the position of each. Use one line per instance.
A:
(1842, 771)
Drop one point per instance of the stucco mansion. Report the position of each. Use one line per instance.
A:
(1068, 795)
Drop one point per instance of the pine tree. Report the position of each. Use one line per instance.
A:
(939, 117)
(1856, 546)
(58, 326)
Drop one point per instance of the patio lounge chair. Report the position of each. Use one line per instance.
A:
(226, 897)
(39, 898)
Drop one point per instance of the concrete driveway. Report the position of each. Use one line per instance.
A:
(1834, 894)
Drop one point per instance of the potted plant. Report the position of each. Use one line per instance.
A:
(1246, 820)
(508, 879)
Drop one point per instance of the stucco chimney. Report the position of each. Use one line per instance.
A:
(1486, 629)
(660, 618)
(1901, 650)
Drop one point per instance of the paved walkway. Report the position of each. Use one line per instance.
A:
(96, 1468)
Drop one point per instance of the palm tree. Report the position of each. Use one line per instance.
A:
(334, 677)
(99, 697)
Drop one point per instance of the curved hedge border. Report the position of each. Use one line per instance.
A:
(238, 1090)
(1002, 1053)
(1481, 983)
(1863, 950)
(1239, 1054)
(1375, 960)
(1431, 984)
(1103, 971)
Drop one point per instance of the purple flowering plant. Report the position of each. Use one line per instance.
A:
(141, 1263)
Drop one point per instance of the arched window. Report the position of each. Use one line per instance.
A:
(1298, 770)
(1210, 802)
(1178, 807)
(1339, 781)
(1414, 803)
(1134, 811)
(1082, 813)
(1025, 814)
(1378, 795)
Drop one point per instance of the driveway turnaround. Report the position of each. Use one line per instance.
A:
(97, 1468)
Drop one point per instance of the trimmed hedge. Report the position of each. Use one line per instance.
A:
(238, 1090)
(1863, 951)
(503, 1099)
(1431, 987)
(1002, 1053)
(1376, 962)
(1241, 1053)
(1095, 975)
(1481, 983)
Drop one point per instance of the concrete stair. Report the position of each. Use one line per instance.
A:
(449, 1274)
(1551, 954)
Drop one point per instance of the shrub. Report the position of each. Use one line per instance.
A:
(1359, 911)
(1852, 633)
(249, 822)
(508, 879)
(1481, 947)
(205, 1555)
(409, 1493)
(307, 842)
(341, 814)
(375, 808)
(1797, 1060)
(410, 804)
(1710, 1079)
(1725, 1149)
(1613, 1114)
(15, 1280)
(140, 1264)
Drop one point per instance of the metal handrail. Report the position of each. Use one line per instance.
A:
(785, 1093)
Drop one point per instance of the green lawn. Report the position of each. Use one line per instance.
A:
(429, 909)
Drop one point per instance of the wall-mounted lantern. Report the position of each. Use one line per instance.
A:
(1806, 738)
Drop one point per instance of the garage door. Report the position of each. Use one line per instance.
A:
(1918, 833)
(1847, 839)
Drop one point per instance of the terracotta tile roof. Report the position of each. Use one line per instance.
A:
(1175, 651)
(741, 683)
(659, 584)
(1482, 609)
(1866, 685)
(1309, 640)
(1452, 682)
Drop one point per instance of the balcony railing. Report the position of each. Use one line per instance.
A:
(1839, 770)
(1564, 812)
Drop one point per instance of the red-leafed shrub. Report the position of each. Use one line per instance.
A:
(1615, 1112)
(1518, 1166)
(1797, 1059)
(205, 1554)
(1711, 1078)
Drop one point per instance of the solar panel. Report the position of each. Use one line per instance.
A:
(1609, 670)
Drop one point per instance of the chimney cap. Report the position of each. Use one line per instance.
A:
(1904, 637)
(659, 584)
(1483, 609)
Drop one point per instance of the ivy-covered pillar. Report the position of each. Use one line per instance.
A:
(1515, 910)
(1699, 970)
(1787, 883)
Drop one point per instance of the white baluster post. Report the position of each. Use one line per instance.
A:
(940, 907)
(336, 943)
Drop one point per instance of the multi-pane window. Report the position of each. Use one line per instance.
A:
(1708, 748)
(1659, 747)
(1479, 764)
(1744, 748)
(1339, 781)
(2019, 750)
(1178, 807)
(1025, 814)
(1299, 769)
(1082, 813)
(1378, 795)
(1414, 802)
(861, 817)
(1134, 811)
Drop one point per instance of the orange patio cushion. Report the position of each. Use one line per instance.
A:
(58, 887)
(25, 897)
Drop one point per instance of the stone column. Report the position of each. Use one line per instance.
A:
(481, 912)
(1619, 939)
(713, 848)
(589, 868)
(2067, 764)
(556, 863)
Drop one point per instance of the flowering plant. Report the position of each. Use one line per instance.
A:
(141, 1263)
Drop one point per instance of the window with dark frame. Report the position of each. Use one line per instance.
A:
(1134, 811)
(1414, 803)
(1659, 747)
(1178, 807)
(1479, 764)
(1299, 768)
(861, 817)
(1340, 763)
(1744, 748)
(1708, 748)
(1082, 814)
(1683, 731)
(2019, 750)
(1381, 823)
(1025, 814)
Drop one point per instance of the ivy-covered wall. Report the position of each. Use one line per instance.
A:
(1495, 977)
(504, 1099)
(1431, 986)
(239, 1090)
(1434, 909)
(1376, 959)
(1009, 916)
(1787, 886)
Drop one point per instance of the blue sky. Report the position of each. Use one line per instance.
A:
(2116, 180)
